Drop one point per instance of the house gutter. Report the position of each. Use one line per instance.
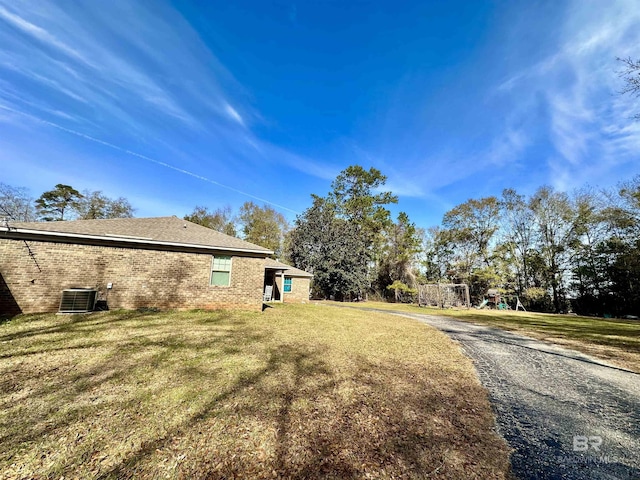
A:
(28, 234)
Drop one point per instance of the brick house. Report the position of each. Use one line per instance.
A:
(289, 284)
(160, 262)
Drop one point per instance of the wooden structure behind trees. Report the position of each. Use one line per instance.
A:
(444, 295)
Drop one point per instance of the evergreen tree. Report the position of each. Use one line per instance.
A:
(331, 248)
(54, 204)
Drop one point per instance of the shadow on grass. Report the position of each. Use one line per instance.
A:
(58, 386)
(305, 363)
(386, 419)
(73, 323)
(320, 434)
(6, 318)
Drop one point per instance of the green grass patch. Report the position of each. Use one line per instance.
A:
(614, 340)
(299, 391)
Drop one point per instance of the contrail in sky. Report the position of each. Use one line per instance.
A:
(144, 157)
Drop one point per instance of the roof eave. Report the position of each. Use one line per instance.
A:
(133, 241)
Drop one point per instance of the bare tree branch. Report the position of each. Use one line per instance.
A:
(631, 77)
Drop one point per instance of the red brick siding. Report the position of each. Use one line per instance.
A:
(141, 278)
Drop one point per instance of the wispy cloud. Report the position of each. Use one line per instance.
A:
(559, 120)
(136, 75)
(149, 159)
(40, 34)
(103, 78)
(233, 113)
(301, 163)
(401, 187)
(588, 123)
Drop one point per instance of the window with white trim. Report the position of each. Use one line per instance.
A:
(221, 271)
(287, 284)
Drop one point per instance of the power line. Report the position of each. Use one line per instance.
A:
(144, 157)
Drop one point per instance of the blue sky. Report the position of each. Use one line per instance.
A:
(177, 104)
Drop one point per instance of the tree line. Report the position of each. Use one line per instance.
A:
(63, 202)
(556, 251)
(350, 242)
(346, 238)
(262, 225)
(257, 224)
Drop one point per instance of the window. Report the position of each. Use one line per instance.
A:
(221, 270)
(287, 284)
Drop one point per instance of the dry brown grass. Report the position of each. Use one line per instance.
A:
(295, 392)
(613, 340)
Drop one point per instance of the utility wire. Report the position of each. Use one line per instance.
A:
(9, 227)
(32, 255)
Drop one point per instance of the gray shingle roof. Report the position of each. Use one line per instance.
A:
(157, 230)
(289, 270)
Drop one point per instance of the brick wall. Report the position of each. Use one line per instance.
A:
(299, 290)
(140, 278)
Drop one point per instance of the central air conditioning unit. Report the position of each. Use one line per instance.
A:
(78, 300)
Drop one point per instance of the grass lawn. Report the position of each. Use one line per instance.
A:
(298, 391)
(617, 341)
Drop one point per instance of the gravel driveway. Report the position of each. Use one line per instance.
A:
(566, 415)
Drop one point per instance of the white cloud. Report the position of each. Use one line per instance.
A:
(506, 148)
(588, 123)
(318, 169)
(403, 187)
(134, 72)
(114, 79)
(232, 112)
(40, 34)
